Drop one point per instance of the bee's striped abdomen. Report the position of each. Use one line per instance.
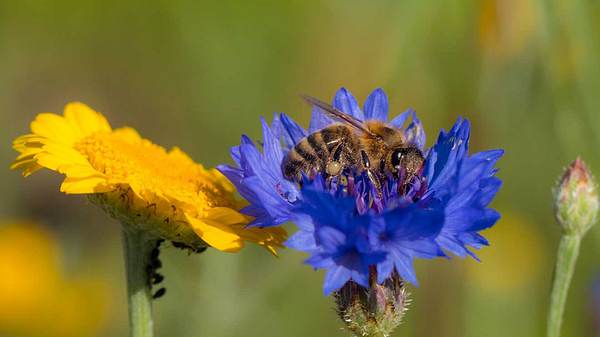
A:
(314, 152)
(316, 142)
(303, 157)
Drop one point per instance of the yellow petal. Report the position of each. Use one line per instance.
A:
(54, 127)
(221, 180)
(80, 171)
(24, 164)
(29, 152)
(55, 156)
(225, 215)
(217, 235)
(66, 154)
(49, 161)
(85, 119)
(177, 154)
(85, 185)
(129, 135)
(27, 171)
(26, 141)
(270, 238)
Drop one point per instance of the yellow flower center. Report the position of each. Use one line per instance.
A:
(147, 167)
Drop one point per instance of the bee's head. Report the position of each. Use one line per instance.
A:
(405, 160)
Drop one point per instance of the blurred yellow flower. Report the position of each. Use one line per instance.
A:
(513, 259)
(164, 193)
(506, 26)
(36, 299)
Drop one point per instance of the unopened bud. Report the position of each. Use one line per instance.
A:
(576, 199)
(375, 311)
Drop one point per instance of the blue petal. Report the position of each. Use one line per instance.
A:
(413, 223)
(271, 201)
(271, 147)
(292, 132)
(318, 120)
(345, 102)
(304, 222)
(320, 261)
(335, 278)
(384, 269)
(444, 156)
(235, 154)
(303, 241)
(235, 176)
(376, 106)
(360, 277)
(425, 249)
(232, 173)
(478, 166)
(330, 238)
(415, 134)
(487, 190)
(404, 267)
(399, 120)
(452, 244)
(473, 239)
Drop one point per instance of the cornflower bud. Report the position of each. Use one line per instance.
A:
(375, 311)
(576, 199)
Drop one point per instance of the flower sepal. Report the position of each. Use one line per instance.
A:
(374, 311)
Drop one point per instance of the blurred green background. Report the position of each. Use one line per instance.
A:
(198, 74)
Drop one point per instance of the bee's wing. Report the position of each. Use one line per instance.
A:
(338, 115)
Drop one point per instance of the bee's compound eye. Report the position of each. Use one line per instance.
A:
(397, 157)
(334, 168)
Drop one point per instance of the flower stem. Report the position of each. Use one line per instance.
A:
(568, 251)
(138, 249)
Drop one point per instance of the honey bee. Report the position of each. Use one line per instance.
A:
(372, 147)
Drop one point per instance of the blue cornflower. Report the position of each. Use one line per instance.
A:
(349, 229)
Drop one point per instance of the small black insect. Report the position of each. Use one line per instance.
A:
(153, 265)
(190, 249)
(157, 278)
(159, 293)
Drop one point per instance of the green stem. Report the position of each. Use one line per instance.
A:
(138, 249)
(568, 251)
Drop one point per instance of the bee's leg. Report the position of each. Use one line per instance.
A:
(366, 163)
(376, 182)
(401, 179)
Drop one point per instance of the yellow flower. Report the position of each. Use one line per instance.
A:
(506, 27)
(37, 300)
(163, 193)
